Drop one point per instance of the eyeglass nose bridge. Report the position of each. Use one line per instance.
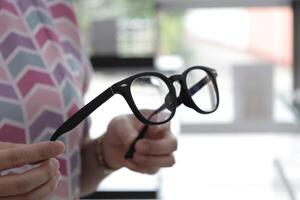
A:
(176, 77)
(183, 95)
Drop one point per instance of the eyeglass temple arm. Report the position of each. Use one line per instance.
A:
(142, 133)
(83, 113)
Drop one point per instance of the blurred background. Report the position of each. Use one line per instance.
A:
(250, 147)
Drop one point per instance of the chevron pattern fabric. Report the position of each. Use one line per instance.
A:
(43, 77)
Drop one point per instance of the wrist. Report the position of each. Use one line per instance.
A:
(101, 158)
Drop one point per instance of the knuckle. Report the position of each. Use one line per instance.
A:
(16, 158)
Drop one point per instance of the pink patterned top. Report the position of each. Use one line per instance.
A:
(43, 76)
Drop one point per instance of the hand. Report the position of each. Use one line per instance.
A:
(36, 183)
(152, 152)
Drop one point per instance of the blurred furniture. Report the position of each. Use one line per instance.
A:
(104, 46)
(253, 93)
(109, 61)
(104, 37)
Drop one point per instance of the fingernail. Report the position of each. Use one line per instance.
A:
(62, 146)
(55, 162)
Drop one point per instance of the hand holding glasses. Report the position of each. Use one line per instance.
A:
(199, 91)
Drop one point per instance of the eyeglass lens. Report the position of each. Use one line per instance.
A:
(205, 98)
(154, 91)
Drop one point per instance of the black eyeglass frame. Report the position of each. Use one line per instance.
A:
(186, 98)
(123, 88)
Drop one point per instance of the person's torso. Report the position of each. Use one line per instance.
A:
(43, 76)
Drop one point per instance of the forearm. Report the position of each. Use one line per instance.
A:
(91, 173)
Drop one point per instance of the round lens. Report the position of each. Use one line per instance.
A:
(151, 96)
(201, 89)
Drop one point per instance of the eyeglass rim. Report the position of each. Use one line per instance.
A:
(124, 88)
(212, 73)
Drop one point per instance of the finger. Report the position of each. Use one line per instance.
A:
(136, 122)
(123, 129)
(158, 131)
(6, 145)
(161, 116)
(154, 161)
(28, 154)
(163, 146)
(28, 181)
(141, 169)
(40, 192)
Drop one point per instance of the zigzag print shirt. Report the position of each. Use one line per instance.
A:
(43, 76)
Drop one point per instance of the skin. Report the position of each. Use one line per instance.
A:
(152, 152)
(36, 183)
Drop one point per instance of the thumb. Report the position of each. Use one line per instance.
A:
(124, 130)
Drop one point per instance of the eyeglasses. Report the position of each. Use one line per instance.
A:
(199, 91)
